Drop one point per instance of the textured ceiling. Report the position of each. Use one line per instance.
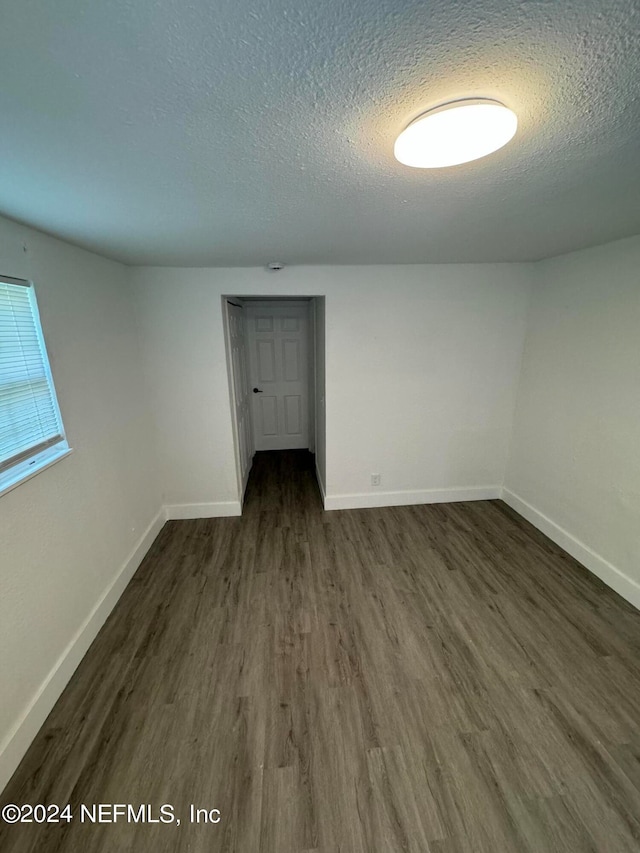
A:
(229, 132)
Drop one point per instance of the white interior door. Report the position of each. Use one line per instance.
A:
(240, 387)
(278, 337)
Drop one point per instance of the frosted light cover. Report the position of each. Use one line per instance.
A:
(455, 133)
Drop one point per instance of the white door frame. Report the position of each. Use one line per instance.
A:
(318, 394)
(241, 476)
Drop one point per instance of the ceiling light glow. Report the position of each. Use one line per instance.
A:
(455, 133)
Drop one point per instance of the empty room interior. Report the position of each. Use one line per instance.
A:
(320, 426)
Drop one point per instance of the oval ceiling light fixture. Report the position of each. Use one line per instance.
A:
(455, 133)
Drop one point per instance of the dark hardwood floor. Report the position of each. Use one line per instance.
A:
(430, 678)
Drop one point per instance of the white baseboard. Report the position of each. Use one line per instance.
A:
(424, 496)
(19, 739)
(625, 586)
(222, 509)
(323, 492)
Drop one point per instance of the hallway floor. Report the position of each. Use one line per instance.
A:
(429, 678)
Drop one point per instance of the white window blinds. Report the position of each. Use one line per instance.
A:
(29, 417)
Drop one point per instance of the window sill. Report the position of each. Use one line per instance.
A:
(21, 474)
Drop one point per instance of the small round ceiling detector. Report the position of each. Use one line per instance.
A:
(455, 133)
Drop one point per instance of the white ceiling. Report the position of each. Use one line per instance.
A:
(229, 132)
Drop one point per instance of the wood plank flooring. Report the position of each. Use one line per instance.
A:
(431, 678)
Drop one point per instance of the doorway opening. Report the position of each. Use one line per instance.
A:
(275, 363)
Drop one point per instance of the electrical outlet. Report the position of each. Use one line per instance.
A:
(375, 479)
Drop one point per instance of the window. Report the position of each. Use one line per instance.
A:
(31, 432)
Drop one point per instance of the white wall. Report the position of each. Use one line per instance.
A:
(421, 371)
(575, 462)
(73, 529)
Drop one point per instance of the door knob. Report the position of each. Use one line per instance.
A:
(257, 391)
